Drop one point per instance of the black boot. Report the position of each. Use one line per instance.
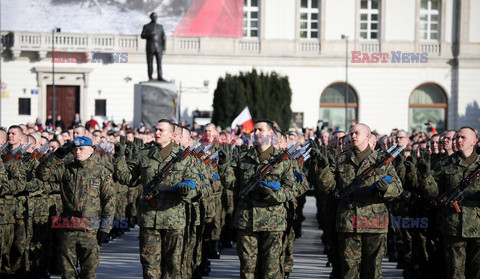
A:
(216, 249)
(197, 274)
(213, 252)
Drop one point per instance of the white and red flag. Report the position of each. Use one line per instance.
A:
(244, 119)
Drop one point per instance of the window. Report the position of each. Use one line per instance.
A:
(23, 106)
(332, 105)
(100, 107)
(309, 19)
(429, 20)
(250, 19)
(369, 19)
(428, 103)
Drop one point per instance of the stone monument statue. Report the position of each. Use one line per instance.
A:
(155, 37)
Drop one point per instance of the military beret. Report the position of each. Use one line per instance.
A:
(82, 141)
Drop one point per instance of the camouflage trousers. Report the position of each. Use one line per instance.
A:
(361, 254)
(6, 241)
(288, 239)
(161, 252)
(462, 257)
(40, 238)
(79, 246)
(188, 261)
(18, 256)
(260, 254)
(218, 219)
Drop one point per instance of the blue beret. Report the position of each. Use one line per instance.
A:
(82, 141)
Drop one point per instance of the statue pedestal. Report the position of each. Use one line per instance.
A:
(153, 101)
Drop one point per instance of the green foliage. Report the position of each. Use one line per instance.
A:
(268, 96)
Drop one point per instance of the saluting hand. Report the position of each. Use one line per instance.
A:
(410, 164)
(225, 155)
(423, 164)
(119, 149)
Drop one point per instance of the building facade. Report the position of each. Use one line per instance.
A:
(409, 62)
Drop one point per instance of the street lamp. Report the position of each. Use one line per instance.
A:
(53, 73)
(345, 37)
(203, 89)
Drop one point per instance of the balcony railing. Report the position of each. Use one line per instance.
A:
(370, 47)
(432, 48)
(41, 42)
(308, 47)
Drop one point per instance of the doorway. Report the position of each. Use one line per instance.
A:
(67, 102)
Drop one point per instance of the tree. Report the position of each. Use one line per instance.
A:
(268, 96)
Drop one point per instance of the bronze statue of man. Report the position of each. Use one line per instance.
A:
(155, 36)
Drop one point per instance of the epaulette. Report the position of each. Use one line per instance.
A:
(150, 151)
(446, 161)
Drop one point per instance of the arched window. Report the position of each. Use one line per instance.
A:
(332, 105)
(428, 102)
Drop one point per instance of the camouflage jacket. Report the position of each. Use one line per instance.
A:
(268, 212)
(170, 212)
(87, 192)
(16, 175)
(7, 203)
(445, 178)
(302, 183)
(369, 213)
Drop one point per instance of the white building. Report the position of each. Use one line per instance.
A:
(301, 39)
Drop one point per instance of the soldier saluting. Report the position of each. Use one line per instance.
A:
(87, 193)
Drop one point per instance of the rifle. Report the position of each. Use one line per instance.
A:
(458, 193)
(259, 176)
(45, 156)
(346, 193)
(111, 147)
(199, 155)
(102, 148)
(302, 158)
(155, 187)
(12, 153)
(300, 151)
(197, 151)
(19, 154)
(38, 152)
(211, 158)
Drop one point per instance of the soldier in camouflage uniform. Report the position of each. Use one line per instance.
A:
(18, 257)
(289, 237)
(88, 194)
(12, 182)
(260, 217)
(38, 231)
(362, 229)
(193, 228)
(460, 231)
(161, 227)
(56, 206)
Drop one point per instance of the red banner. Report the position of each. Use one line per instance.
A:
(212, 18)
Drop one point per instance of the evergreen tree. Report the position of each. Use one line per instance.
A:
(268, 96)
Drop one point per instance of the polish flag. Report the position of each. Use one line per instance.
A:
(244, 119)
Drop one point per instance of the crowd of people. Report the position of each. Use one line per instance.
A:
(193, 191)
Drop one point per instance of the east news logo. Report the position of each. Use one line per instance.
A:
(396, 57)
(83, 57)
